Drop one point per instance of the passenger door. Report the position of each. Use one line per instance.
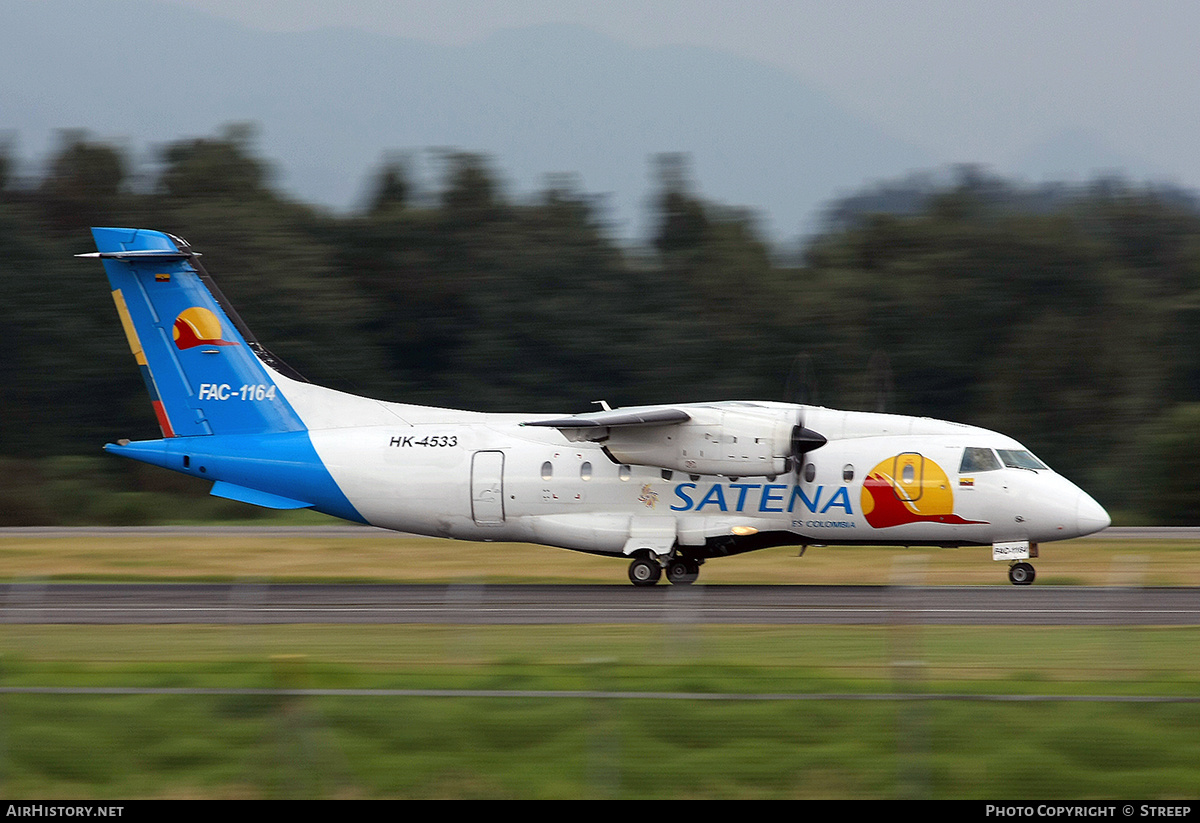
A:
(487, 488)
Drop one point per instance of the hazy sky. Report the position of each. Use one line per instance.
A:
(966, 80)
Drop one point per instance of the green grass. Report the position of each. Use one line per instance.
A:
(237, 746)
(116, 746)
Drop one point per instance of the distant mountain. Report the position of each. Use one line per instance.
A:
(543, 100)
(913, 194)
(1078, 155)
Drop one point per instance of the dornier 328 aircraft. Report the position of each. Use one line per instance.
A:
(667, 487)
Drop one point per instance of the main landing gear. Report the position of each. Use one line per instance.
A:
(1021, 574)
(645, 570)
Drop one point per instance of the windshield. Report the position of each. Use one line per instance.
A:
(978, 460)
(1020, 459)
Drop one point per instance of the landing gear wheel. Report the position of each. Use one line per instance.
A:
(682, 572)
(1021, 574)
(644, 572)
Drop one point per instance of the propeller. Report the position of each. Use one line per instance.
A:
(801, 385)
(801, 389)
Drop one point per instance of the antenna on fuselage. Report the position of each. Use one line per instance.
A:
(881, 384)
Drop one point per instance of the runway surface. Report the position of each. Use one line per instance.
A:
(246, 604)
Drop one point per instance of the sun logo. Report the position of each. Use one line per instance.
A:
(648, 497)
(908, 488)
(198, 326)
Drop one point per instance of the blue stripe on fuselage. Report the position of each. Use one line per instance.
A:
(284, 464)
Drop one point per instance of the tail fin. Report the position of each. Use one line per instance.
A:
(204, 371)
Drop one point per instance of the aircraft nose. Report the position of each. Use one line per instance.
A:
(1090, 516)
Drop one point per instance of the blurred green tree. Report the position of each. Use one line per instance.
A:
(216, 168)
(1171, 493)
(83, 184)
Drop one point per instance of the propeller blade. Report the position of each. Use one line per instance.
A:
(801, 385)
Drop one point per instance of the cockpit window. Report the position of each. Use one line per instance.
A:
(978, 460)
(1020, 459)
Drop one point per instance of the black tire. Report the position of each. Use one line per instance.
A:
(1021, 574)
(644, 572)
(682, 572)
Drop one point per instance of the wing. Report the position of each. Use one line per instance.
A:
(615, 418)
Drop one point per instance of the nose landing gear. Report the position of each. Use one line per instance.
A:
(1016, 552)
(1021, 574)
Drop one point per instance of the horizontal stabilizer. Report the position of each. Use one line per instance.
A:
(231, 491)
(141, 254)
(657, 416)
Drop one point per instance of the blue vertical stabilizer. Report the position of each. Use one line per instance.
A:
(203, 376)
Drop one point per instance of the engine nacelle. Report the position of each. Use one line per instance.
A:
(740, 442)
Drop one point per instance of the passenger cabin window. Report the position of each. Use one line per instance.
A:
(810, 473)
(1020, 459)
(547, 470)
(978, 460)
(624, 472)
(847, 473)
(585, 471)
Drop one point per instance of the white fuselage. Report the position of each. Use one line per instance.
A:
(476, 476)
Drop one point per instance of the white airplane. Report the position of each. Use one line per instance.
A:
(666, 487)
